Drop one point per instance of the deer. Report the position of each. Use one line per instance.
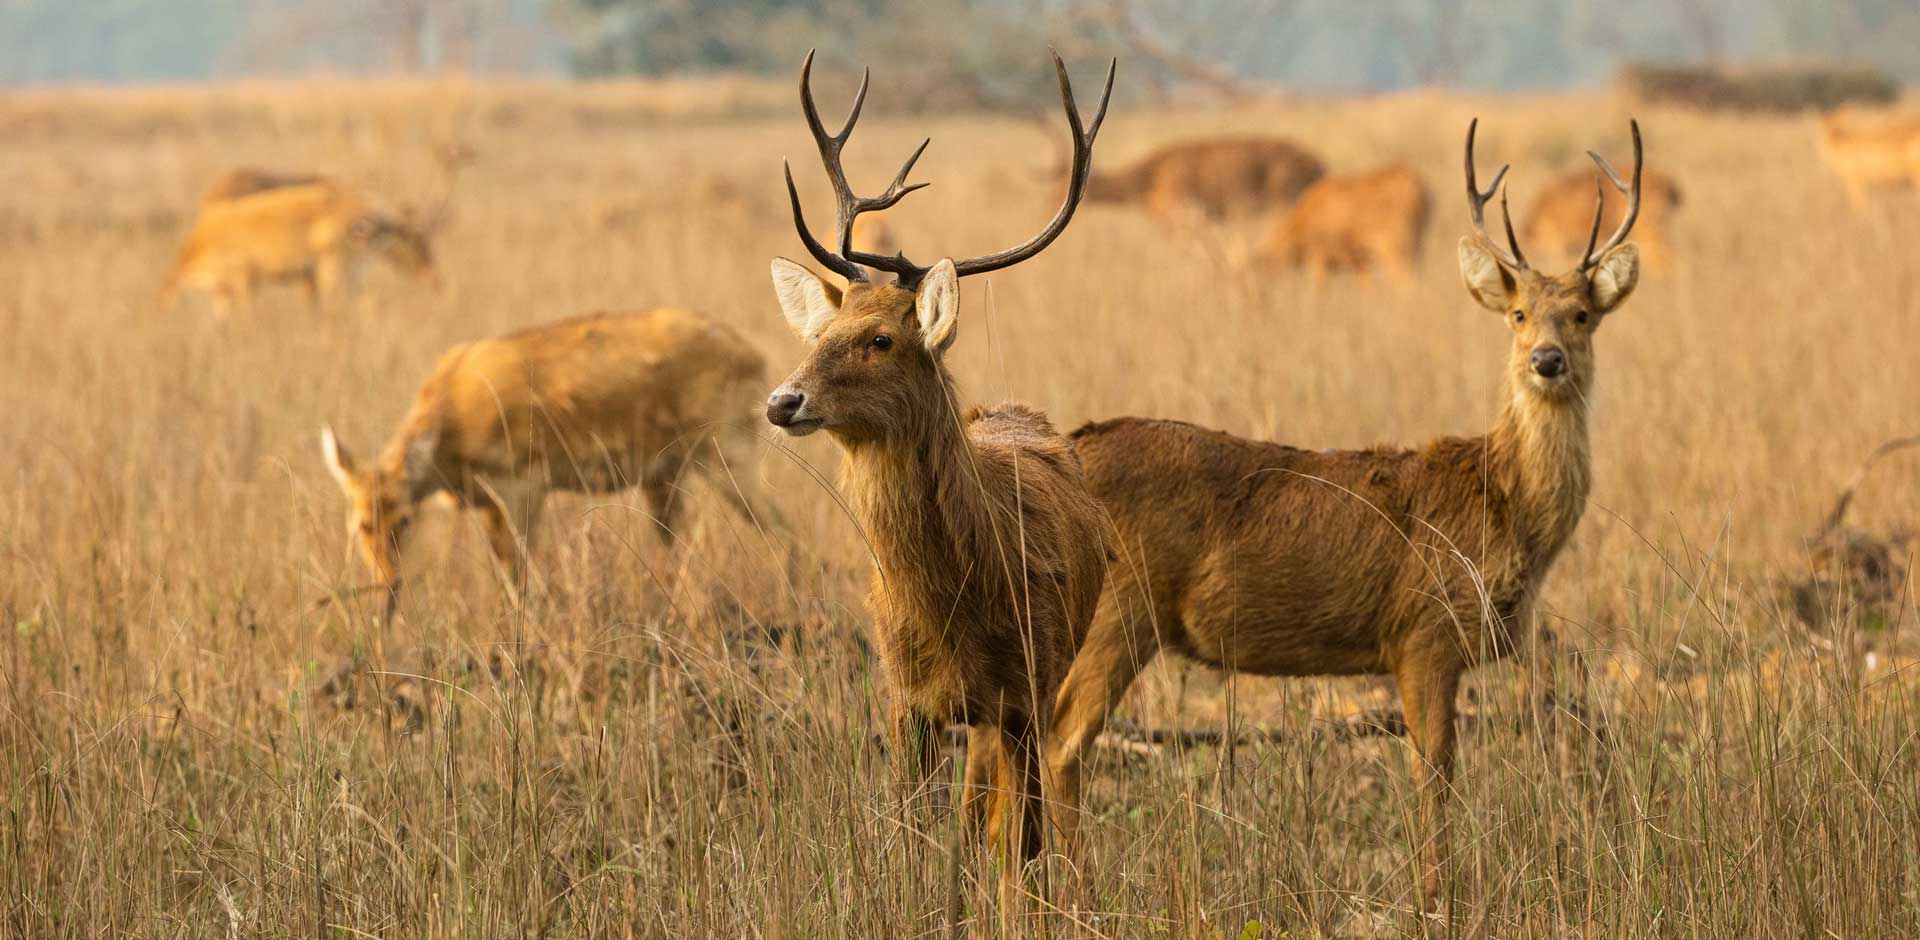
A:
(245, 181)
(1218, 177)
(1871, 156)
(988, 551)
(592, 404)
(1558, 218)
(1354, 222)
(1417, 563)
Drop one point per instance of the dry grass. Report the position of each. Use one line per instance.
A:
(683, 745)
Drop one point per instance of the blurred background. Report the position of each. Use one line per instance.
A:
(1315, 44)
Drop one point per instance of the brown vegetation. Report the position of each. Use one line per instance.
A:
(1217, 176)
(988, 551)
(1355, 222)
(682, 743)
(593, 404)
(1783, 87)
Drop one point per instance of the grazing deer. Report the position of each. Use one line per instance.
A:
(989, 553)
(1883, 154)
(246, 181)
(1216, 176)
(1274, 560)
(592, 404)
(1355, 222)
(314, 233)
(1563, 211)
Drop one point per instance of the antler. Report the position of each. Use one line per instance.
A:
(1592, 257)
(1477, 206)
(848, 262)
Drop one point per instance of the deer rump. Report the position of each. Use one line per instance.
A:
(1270, 559)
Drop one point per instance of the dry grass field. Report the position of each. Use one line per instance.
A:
(685, 744)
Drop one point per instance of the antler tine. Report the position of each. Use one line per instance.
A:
(1599, 212)
(1633, 200)
(1506, 217)
(848, 206)
(1082, 166)
(1477, 208)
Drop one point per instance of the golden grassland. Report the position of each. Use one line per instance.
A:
(684, 744)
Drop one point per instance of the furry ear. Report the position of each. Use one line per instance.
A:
(938, 304)
(339, 461)
(808, 302)
(1614, 278)
(1489, 283)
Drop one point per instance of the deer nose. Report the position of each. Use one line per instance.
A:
(783, 407)
(1549, 362)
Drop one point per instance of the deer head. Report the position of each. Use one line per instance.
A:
(877, 348)
(1552, 317)
(380, 501)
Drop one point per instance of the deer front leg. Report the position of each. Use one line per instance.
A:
(1023, 812)
(513, 513)
(1428, 685)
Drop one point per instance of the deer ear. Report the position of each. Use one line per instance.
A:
(1614, 277)
(938, 304)
(339, 461)
(1489, 283)
(808, 302)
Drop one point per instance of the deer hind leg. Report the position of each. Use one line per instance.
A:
(1427, 696)
(1122, 639)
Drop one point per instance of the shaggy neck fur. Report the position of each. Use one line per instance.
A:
(917, 497)
(1540, 458)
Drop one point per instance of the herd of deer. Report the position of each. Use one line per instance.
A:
(1022, 578)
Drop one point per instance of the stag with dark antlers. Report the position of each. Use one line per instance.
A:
(988, 551)
(1274, 560)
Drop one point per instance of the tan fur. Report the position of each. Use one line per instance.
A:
(591, 404)
(1274, 560)
(989, 553)
(1218, 176)
(1561, 216)
(315, 233)
(1355, 222)
(246, 181)
(1872, 154)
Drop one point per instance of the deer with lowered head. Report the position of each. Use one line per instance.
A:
(1417, 563)
(989, 552)
(591, 404)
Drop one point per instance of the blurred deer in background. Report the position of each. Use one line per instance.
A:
(1216, 177)
(1355, 223)
(593, 404)
(1871, 154)
(989, 552)
(1274, 560)
(1563, 210)
(265, 226)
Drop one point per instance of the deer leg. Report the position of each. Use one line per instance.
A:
(979, 795)
(1427, 690)
(1022, 809)
(1122, 639)
(513, 513)
(323, 282)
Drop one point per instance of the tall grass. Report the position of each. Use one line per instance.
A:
(684, 744)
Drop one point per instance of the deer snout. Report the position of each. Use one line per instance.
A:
(1549, 362)
(786, 409)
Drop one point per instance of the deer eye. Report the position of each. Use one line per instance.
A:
(1519, 316)
(882, 342)
(1580, 317)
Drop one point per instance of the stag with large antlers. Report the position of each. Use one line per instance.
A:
(1274, 560)
(989, 552)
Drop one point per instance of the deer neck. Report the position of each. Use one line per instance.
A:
(914, 491)
(1540, 456)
